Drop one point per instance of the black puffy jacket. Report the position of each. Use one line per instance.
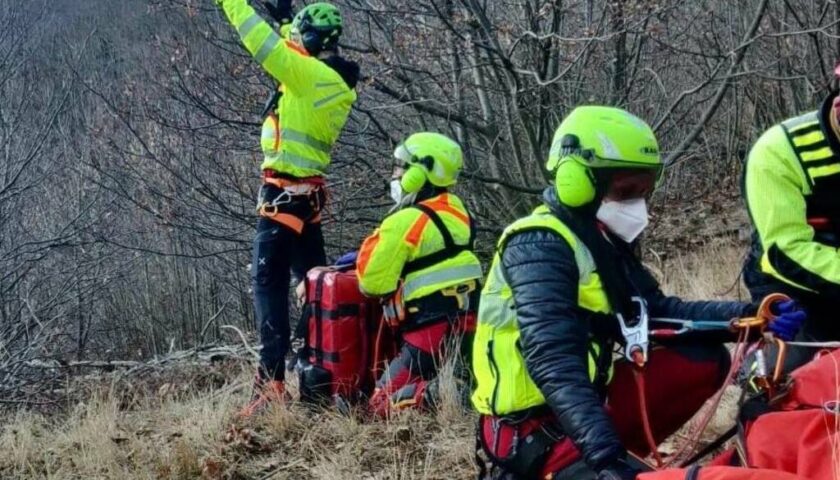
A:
(540, 267)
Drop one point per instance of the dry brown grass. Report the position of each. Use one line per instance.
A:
(158, 435)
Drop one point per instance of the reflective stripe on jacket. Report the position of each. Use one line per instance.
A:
(408, 235)
(298, 137)
(503, 383)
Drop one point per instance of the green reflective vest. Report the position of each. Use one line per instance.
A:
(297, 138)
(503, 385)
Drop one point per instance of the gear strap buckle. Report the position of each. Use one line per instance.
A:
(461, 293)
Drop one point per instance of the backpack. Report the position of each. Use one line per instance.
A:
(343, 335)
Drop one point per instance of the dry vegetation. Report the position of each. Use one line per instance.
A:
(180, 427)
(147, 111)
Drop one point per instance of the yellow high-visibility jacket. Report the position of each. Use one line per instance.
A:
(792, 190)
(408, 235)
(298, 137)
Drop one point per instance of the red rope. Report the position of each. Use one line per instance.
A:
(737, 359)
(691, 443)
(639, 376)
(376, 351)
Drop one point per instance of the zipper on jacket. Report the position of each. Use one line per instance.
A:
(495, 369)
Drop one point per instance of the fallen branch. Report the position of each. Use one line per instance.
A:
(203, 355)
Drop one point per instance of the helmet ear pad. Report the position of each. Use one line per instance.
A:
(574, 182)
(311, 41)
(413, 179)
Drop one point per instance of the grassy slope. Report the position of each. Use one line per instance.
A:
(177, 432)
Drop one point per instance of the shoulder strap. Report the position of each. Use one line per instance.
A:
(448, 242)
(471, 241)
(450, 248)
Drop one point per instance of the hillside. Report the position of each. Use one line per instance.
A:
(177, 422)
(131, 161)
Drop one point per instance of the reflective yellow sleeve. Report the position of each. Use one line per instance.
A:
(384, 254)
(775, 188)
(282, 59)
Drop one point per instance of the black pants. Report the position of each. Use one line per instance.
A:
(278, 251)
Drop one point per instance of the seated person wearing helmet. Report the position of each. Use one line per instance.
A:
(553, 403)
(420, 260)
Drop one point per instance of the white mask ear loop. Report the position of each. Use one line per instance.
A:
(400, 198)
(396, 192)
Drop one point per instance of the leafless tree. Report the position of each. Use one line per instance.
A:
(130, 138)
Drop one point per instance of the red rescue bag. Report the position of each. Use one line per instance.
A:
(717, 473)
(340, 331)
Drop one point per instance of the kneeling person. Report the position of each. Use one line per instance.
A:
(420, 260)
(553, 403)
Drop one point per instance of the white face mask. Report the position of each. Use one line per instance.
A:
(627, 219)
(396, 191)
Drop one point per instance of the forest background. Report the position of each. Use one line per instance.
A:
(129, 145)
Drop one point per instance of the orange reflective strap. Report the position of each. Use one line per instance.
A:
(454, 212)
(294, 46)
(444, 206)
(278, 182)
(287, 219)
(415, 233)
(365, 252)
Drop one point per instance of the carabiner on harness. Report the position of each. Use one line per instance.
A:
(636, 334)
(282, 198)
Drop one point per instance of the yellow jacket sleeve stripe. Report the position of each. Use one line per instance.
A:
(287, 64)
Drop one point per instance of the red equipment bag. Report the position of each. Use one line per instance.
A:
(799, 434)
(340, 329)
(717, 473)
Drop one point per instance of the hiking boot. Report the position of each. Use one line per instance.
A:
(265, 393)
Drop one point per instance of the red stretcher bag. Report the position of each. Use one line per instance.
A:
(717, 473)
(801, 434)
(340, 334)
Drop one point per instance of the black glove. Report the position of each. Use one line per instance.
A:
(280, 10)
(618, 470)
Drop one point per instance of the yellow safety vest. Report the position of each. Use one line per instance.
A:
(503, 385)
(298, 136)
(409, 235)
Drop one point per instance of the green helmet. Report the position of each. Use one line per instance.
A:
(317, 27)
(592, 138)
(431, 157)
